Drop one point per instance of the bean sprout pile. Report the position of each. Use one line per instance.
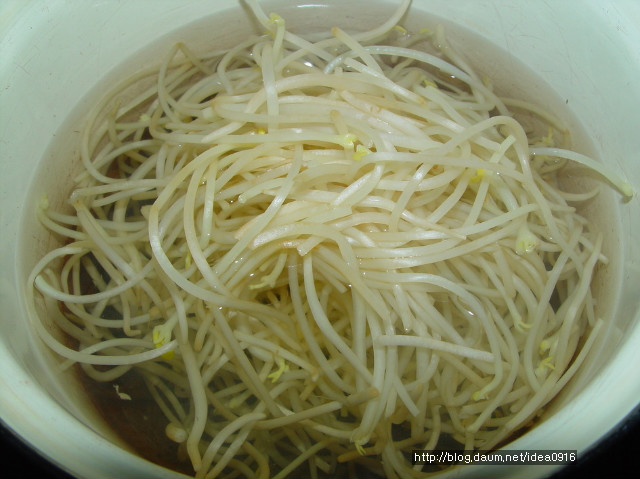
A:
(322, 255)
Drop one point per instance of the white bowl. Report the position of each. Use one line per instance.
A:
(55, 53)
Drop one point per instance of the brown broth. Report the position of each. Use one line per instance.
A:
(136, 420)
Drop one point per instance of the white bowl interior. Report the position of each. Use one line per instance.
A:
(581, 61)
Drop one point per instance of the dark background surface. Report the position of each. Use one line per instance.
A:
(615, 457)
